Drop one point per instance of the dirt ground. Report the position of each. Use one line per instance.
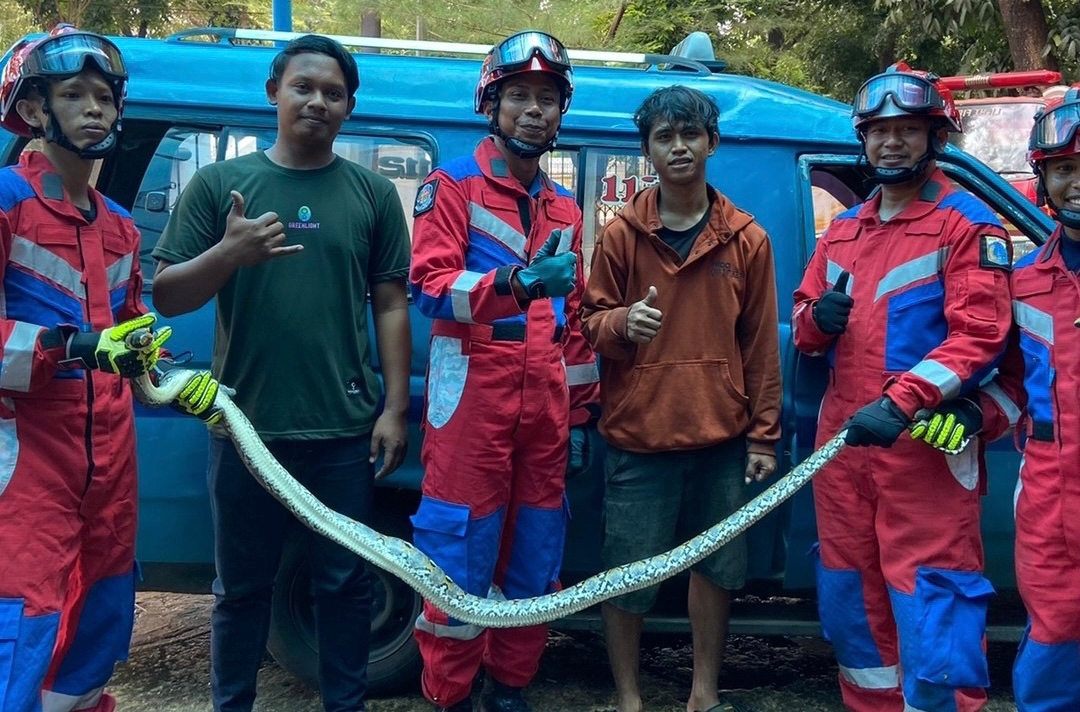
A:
(169, 671)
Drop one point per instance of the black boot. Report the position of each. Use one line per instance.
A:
(503, 698)
(463, 706)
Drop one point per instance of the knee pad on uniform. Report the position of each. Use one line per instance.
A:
(942, 626)
(536, 555)
(102, 637)
(26, 646)
(1046, 678)
(464, 548)
(845, 623)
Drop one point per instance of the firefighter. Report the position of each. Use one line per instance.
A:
(511, 381)
(70, 294)
(1038, 387)
(907, 297)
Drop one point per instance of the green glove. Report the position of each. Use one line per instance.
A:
(130, 349)
(950, 427)
(549, 275)
(578, 459)
(197, 398)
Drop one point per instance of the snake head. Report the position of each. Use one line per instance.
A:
(139, 340)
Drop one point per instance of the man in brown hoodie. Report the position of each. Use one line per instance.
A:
(681, 305)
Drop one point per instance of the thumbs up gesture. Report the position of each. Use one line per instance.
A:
(549, 274)
(832, 310)
(249, 241)
(643, 319)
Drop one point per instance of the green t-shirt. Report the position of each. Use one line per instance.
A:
(292, 332)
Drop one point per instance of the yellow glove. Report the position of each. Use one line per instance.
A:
(950, 427)
(111, 352)
(197, 398)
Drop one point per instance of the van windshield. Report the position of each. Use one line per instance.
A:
(996, 132)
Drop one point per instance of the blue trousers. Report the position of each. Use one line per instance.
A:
(250, 529)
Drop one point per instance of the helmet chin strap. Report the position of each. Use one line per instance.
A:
(896, 176)
(102, 148)
(1068, 218)
(521, 149)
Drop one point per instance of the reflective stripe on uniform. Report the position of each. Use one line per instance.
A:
(457, 632)
(880, 678)
(486, 222)
(42, 263)
(18, 360)
(1034, 321)
(459, 295)
(910, 272)
(582, 374)
(939, 376)
(1011, 410)
(9, 445)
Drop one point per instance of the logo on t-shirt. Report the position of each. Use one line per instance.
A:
(303, 221)
(353, 387)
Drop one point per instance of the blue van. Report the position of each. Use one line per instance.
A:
(787, 156)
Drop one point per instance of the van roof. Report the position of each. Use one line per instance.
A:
(209, 81)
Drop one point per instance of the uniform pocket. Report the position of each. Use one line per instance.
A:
(28, 640)
(440, 530)
(948, 650)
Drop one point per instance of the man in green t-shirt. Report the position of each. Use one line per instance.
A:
(292, 339)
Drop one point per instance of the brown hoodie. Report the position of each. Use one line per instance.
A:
(713, 371)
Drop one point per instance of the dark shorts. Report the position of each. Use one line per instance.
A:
(656, 501)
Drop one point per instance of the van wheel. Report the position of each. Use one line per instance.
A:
(394, 661)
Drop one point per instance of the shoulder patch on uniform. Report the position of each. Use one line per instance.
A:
(994, 253)
(425, 197)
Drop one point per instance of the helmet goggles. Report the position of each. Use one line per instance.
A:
(65, 55)
(908, 91)
(1056, 128)
(517, 51)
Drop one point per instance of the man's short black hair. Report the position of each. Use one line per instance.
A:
(677, 105)
(317, 44)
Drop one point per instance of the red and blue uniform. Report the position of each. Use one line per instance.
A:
(900, 586)
(67, 447)
(505, 384)
(1040, 394)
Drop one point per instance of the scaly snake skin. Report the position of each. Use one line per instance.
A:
(409, 564)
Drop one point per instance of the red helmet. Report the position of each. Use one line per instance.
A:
(529, 51)
(61, 54)
(1055, 132)
(903, 91)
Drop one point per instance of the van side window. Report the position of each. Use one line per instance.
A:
(832, 196)
(179, 153)
(612, 176)
(405, 163)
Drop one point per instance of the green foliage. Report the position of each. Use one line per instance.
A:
(827, 46)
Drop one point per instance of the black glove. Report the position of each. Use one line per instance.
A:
(879, 423)
(832, 310)
(578, 459)
(951, 426)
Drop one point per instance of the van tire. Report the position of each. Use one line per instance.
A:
(394, 662)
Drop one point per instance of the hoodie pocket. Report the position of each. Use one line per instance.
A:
(699, 402)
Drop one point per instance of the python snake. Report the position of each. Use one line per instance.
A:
(409, 564)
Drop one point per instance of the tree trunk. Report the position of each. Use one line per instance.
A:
(616, 21)
(1027, 32)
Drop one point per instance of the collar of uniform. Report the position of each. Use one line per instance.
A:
(930, 194)
(1050, 258)
(49, 186)
(493, 165)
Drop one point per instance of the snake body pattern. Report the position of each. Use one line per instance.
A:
(412, 566)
